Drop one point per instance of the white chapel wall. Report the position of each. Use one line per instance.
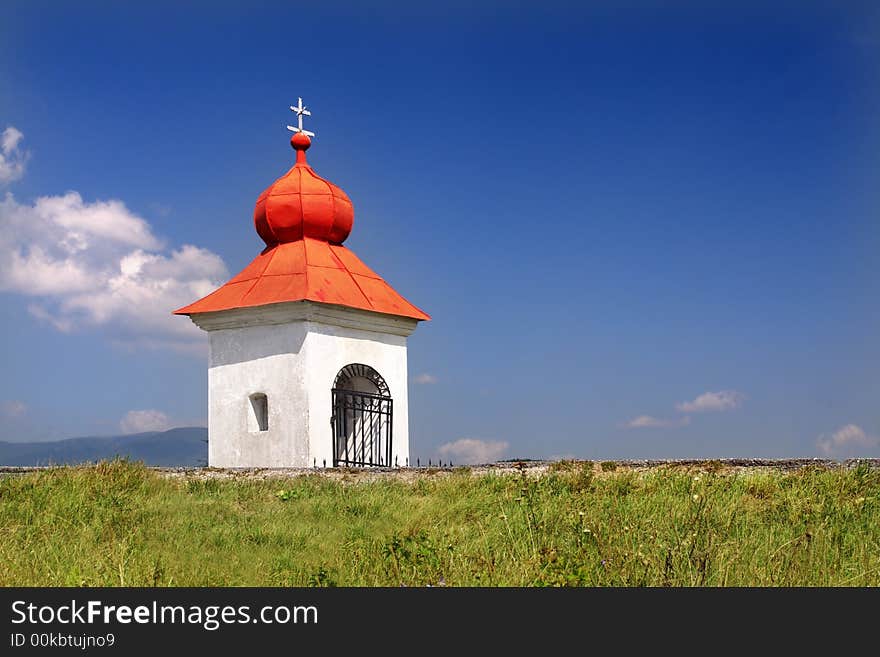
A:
(257, 360)
(294, 364)
(328, 349)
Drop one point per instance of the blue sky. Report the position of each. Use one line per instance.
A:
(641, 230)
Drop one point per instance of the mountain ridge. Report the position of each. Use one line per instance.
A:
(181, 446)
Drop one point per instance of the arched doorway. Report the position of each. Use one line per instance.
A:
(361, 418)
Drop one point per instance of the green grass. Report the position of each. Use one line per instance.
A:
(119, 523)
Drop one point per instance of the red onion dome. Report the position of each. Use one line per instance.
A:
(302, 204)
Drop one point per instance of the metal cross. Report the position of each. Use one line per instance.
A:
(301, 111)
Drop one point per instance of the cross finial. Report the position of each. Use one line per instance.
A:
(300, 111)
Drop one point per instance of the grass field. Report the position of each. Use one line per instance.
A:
(119, 523)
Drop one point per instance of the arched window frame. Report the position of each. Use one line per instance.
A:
(359, 370)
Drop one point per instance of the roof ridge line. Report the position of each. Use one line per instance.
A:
(257, 279)
(354, 280)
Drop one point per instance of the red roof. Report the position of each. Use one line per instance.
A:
(304, 219)
(307, 270)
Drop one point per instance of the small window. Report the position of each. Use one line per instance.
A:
(258, 420)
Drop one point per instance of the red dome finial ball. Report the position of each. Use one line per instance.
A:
(300, 142)
(302, 204)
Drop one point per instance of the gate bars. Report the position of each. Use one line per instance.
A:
(361, 429)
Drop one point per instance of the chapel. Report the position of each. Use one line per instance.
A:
(307, 363)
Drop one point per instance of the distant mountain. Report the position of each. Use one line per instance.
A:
(183, 446)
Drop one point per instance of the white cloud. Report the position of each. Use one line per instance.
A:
(98, 264)
(723, 400)
(148, 420)
(12, 159)
(425, 378)
(13, 408)
(100, 220)
(849, 439)
(60, 324)
(10, 139)
(473, 450)
(649, 422)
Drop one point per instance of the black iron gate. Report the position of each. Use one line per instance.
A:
(361, 428)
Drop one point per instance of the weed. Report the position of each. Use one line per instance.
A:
(321, 578)
(582, 478)
(286, 495)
